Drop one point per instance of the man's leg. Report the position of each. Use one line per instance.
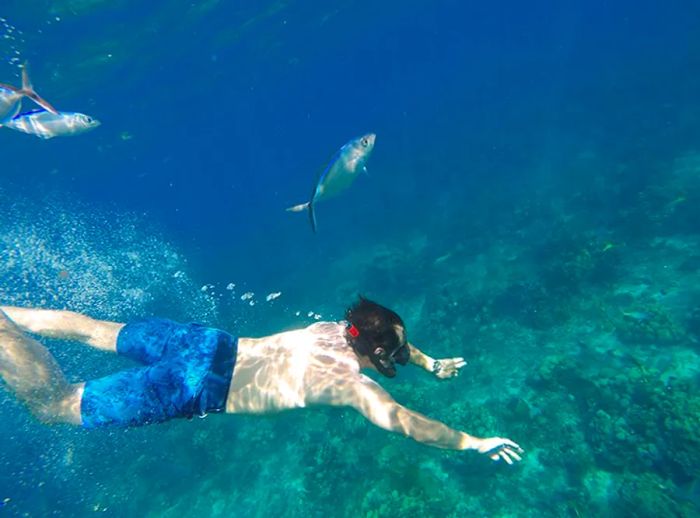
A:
(66, 325)
(32, 373)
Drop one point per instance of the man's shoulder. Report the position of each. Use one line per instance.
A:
(326, 327)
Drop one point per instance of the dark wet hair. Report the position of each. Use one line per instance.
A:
(377, 328)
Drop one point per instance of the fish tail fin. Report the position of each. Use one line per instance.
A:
(298, 208)
(308, 206)
(26, 82)
(28, 91)
(312, 216)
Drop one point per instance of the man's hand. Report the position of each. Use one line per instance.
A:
(498, 448)
(448, 368)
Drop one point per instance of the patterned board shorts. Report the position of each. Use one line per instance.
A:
(187, 371)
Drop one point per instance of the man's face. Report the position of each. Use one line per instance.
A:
(386, 356)
(401, 354)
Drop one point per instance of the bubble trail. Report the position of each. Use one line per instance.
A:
(11, 43)
(66, 261)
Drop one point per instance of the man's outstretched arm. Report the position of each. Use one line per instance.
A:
(443, 368)
(379, 407)
(65, 325)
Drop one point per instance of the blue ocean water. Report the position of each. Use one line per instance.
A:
(531, 205)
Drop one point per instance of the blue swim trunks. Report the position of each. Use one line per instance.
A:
(187, 372)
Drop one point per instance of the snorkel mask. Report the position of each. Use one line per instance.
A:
(384, 361)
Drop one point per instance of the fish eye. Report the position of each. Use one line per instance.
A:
(364, 142)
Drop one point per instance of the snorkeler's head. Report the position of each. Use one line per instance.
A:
(379, 334)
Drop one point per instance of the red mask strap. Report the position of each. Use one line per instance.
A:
(353, 331)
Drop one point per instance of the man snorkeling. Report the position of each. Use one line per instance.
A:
(189, 369)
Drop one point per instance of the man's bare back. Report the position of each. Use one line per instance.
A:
(317, 365)
(293, 369)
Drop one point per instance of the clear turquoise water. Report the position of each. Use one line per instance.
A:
(531, 204)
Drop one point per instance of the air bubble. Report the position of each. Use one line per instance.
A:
(66, 261)
(9, 40)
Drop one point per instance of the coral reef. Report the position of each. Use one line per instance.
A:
(648, 325)
(582, 346)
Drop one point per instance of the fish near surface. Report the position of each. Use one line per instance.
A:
(339, 174)
(46, 125)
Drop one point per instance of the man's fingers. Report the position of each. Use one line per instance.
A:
(505, 456)
(512, 454)
(507, 442)
(504, 449)
(515, 446)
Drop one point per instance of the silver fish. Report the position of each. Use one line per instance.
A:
(47, 125)
(340, 172)
(11, 98)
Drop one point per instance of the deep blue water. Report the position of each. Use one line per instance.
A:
(519, 146)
